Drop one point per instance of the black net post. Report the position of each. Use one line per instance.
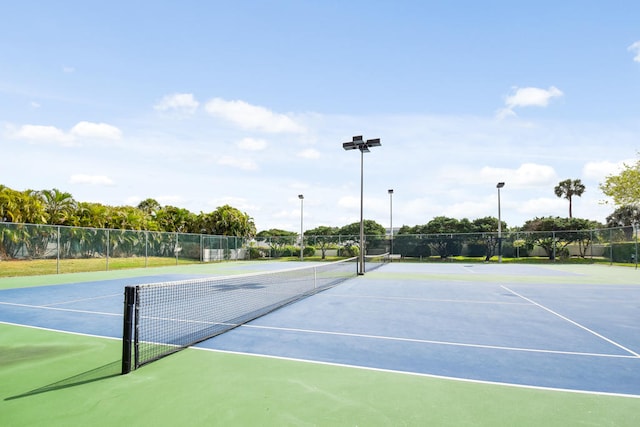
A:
(127, 333)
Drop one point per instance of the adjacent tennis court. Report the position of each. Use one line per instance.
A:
(406, 344)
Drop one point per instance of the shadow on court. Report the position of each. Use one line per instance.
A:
(109, 370)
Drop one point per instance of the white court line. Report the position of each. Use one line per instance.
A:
(419, 374)
(591, 331)
(413, 299)
(60, 330)
(456, 344)
(44, 307)
(83, 299)
(469, 269)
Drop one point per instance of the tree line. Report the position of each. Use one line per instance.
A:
(55, 207)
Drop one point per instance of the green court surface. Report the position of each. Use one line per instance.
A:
(50, 378)
(205, 388)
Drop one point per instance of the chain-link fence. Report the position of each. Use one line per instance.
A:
(343, 245)
(612, 244)
(618, 245)
(60, 243)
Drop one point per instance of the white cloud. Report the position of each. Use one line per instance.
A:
(309, 153)
(254, 117)
(96, 130)
(68, 70)
(237, 202)
(178, 102)
(133, 200)
(503, 113)
(349, 202)
(244, 164)
(166, 200)
(527, 175)
(541, 207)
(90, 179)
(600, 170)
(34, 104)
(528, 97)
(51, 134)
(532, 96)
(251, 144)
(46, 134)
(635, 48)
(467, 209)
(170, 200)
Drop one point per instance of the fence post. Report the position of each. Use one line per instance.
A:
(635, 239)
(610, 246)
(108, 244)
(58, 251)
(146, 248)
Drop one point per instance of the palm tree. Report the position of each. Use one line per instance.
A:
(173, 219)
(60, 206)
(149, 206)
(21, 206)
(8, 206)
(569, 188)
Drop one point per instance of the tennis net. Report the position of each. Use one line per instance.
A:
(162, 318)
(372, 262)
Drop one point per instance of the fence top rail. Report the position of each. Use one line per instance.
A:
(338, 236)
(116, 229)
(449, 234)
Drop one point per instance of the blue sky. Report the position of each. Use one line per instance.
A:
(198, 104)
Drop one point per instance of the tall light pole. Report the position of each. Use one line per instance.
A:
(390, 191)
(301, 197)
(634, 224)
(359, 144)
(499, 186)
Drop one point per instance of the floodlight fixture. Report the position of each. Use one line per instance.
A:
(358, 143)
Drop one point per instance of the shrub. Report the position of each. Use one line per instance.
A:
(349, 251)
(476, 249)
(623, 252)
(256, 253)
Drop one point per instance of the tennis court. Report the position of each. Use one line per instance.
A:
(406, 344)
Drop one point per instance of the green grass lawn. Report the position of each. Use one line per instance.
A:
(38, 267)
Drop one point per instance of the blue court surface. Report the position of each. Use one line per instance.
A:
(522, 325)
